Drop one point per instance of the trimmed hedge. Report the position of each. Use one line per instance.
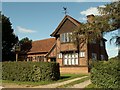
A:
(30, 71)
(106, 74)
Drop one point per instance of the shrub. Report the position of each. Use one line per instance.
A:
(106, 74)
(30, 71)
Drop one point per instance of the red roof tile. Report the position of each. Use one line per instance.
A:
(42, 45)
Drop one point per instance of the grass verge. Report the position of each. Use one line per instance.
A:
(74, 82)
(63, 77)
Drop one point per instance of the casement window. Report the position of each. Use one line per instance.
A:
(101, 43)
(102, 57)
(94, 56)
(82, 54)
(66, 37)
(70, 59)
(60, 55)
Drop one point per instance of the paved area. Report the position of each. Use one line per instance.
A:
(1, 87)
(82, 85)
(59, 84)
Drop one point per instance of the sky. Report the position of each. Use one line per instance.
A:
(37, 20)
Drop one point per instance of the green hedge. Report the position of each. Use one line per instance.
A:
(106, 74)
(30, 71)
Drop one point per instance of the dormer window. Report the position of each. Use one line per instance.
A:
(65, 37)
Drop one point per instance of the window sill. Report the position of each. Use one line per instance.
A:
(81, 57)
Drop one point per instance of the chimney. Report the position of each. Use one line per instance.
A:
(90, 18)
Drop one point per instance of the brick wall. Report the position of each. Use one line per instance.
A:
(74, 69)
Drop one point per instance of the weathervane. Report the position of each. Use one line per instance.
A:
(65, 10)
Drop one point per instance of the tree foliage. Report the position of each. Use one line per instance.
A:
(9, 39)
(26, 45)
(112, 11)
(109, 20)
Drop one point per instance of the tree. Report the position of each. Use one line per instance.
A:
(9, 39)
(112, 12)
(78, 38)
(117, 42)
(21, 48)
(108, 21)
(26, 45)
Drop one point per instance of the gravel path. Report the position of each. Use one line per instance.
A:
(1, 87)
(81, 85)
(58, 84)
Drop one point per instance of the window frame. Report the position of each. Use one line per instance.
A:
(70, 58)
(65, 37)
(60, 55)
(82, 54)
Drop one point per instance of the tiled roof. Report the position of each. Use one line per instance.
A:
(40, 46)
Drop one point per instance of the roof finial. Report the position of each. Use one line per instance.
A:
(65, 10)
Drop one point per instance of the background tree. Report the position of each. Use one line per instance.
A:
(9, 39)
(112, 12)
(26, 45)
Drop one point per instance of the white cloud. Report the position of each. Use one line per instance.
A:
(82, 19)
(24, 30)
(91, 10)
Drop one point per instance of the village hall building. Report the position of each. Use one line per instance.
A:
(59, 48)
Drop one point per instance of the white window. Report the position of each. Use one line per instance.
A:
(65, 59)
(62, 38)
(102, 57)
(66, 37)
(82, 54)
(70, 59)
(94, 56)
(73, 60)
(60, 55)
(101, 43)
(76, 58)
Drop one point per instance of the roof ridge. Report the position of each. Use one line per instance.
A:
(43, 39)
(73, 18)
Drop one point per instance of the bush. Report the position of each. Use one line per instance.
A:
(30, 71)
(106, 74)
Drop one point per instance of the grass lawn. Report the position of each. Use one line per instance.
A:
(63, 77)
(74, 82)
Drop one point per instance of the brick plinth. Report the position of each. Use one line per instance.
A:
(72, 69)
